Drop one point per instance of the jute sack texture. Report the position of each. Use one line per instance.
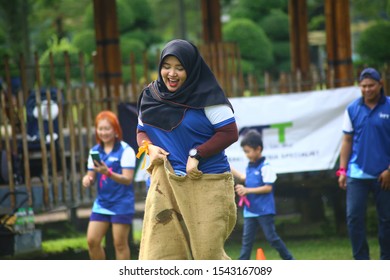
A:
(187, 219)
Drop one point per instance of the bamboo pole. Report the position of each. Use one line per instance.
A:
(146, 68)
(72, 136)
(61, 145)
(22, 97)
(133, 77)
(52, 147)
(11, 107)
(80, 137)
(42, 141)
(8, 150)
(89, 124)
(46, 197)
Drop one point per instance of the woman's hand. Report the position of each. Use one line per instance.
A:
(192, 168)
(101, 168)
(87, 181)
(157, 155)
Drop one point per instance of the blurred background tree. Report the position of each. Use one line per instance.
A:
(255, 46)
(373, 45)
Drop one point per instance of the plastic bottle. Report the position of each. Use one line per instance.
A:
(30, 226)
(17, 225)
(20, 223)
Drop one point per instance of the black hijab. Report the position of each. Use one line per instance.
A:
(163, 109)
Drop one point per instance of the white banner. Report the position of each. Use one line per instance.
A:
(301, 131)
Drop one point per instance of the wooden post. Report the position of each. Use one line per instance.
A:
(211, 21)
(11, 107)
(133, 78)
(338, 42)
(81, 140)
(53, 154)
(299, 43)
(7, 148)
(107, 41)
(61, 143)
(42, 141)
(72, 134)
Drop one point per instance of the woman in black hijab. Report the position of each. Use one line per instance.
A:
(186, 122)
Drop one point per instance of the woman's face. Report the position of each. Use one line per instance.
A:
(173, 73)
(105, 131)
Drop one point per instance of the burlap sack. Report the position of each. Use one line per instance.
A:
(187, 219)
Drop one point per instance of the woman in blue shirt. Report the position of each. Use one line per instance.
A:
(186, 122)
(114, 203)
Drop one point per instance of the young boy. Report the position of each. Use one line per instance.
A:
(259, 208)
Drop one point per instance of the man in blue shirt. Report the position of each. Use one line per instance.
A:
(365, 163)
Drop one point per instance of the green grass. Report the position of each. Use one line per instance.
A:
(302, 249)
(60, 245)
(309, 249)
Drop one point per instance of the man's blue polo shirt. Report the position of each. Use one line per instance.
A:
(371, 137)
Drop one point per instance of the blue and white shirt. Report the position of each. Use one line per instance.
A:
(112, 197)
(258, 174)
(197, 126)
(370, 129)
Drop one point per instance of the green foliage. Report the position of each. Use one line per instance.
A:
(128, 45)
(281, 51)
(131, 15)
(167, 19)
(143, 16)
(58, 51)
(256, 10)
(85, 41)
(147, 38)
(372, 45)
(317, 23)
(254, 44)
(368, 9)
(126, 16)
(276, 25)
(61, 245)
(88, 20)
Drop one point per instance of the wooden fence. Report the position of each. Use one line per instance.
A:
(62, 161)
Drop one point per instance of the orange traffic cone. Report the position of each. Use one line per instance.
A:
(260, 254)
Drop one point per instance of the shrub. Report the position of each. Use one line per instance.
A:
(373, 44)
(255, 47)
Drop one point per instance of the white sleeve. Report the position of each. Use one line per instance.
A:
(140, 123)
(347, 124)
(219, 115)
(128, 158)
(268, 174)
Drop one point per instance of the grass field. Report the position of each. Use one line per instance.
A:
(309, 249)
(315, 241)
(302, 249)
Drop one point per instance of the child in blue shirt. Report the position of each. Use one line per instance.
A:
(257, 197)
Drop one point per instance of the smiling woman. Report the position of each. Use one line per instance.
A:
(173, 73)
(186, 122)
